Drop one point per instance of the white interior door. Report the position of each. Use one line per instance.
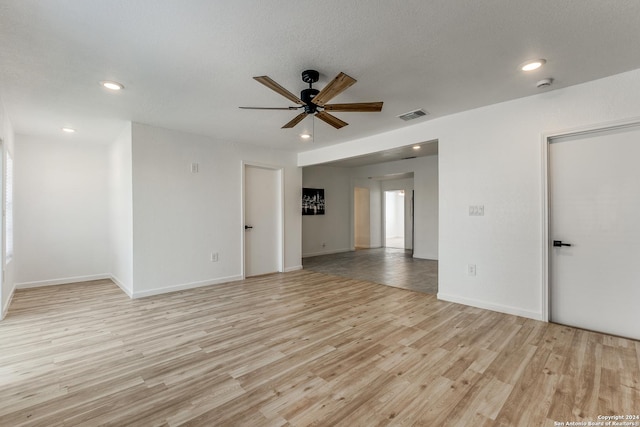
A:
(594, 207)
(263, 221)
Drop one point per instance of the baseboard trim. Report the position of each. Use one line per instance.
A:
(62, 281)
(294, 268)
(335, 251)
(424, 256)
(5, 308)
(490, 306)
(121, 285)
(184, 286)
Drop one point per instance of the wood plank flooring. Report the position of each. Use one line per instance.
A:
(386, 266)
(299, 349)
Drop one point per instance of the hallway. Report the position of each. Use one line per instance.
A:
(386, 266)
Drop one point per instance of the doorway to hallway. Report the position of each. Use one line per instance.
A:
(394, 216)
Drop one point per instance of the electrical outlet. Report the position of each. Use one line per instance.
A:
(471, 269)
(214, 256)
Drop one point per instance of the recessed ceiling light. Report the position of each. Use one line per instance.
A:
(112, 85)
(68, 130)
(416, 147)
(532, 65)
(305, 136)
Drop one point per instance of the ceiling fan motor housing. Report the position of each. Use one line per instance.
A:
(307, 96)
(310, 76)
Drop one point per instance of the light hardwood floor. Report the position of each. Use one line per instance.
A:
(299, 349)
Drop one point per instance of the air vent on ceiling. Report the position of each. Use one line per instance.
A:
(413, 115)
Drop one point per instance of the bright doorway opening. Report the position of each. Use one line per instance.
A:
(394, 219)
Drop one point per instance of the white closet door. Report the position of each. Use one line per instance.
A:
(595, 208)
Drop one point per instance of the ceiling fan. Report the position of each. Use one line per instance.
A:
(314, 101)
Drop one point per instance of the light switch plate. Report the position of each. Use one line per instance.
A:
(471, 269)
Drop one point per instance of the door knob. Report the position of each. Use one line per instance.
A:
(246, 227)
(559, 243)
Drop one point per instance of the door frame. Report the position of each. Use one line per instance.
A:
(546, 182)
(280, 214)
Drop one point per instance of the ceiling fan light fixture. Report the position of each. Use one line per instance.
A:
(532, 64)
(305, 136)
(111, 85)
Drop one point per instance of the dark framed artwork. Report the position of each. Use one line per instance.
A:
(313, 201)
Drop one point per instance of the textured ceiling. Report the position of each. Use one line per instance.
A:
(188, 64)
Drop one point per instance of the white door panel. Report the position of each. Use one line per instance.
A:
(262, 248)
(595, 207)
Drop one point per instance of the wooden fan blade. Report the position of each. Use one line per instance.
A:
(363, 107)
(332, 120)
(270, 108)
(271, 84)
(335, 86)
(297, 119)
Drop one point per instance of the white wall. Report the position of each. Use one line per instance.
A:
(426, 208)
(328, 233)
(61, 211)
(7, 283)
(121, 211)
(493, 156)
(179, 217)
(361, 218)
(133, 210)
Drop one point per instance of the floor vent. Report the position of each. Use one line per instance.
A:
(413, 115)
